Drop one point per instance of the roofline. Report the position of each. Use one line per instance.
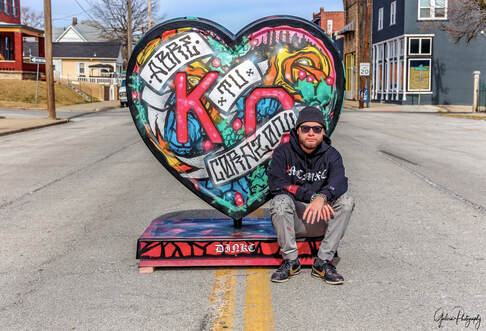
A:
(76, 31)
(22, 26)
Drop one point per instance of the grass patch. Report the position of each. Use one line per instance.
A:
(21, 93)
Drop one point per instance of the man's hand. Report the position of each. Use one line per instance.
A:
(317, 210)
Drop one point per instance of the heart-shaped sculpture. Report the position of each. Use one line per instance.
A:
(212, 106)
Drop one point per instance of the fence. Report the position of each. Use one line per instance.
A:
(93, 80)
(482, 95)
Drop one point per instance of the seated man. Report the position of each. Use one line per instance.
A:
(308, 184)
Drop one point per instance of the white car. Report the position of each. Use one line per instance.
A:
(122, 94)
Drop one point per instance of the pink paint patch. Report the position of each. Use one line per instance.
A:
(195, 183)
(302, 74)
(329, 81)
(288, 228)
(239, 199)
(285, 138)
(177, 231)
(216, 62)
(206, 232)
(237, 124)
(310, 78)
(207, 145)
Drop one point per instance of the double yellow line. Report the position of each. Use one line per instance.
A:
(258, 313)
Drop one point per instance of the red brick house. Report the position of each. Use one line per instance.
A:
(329, 21)
(12, 34)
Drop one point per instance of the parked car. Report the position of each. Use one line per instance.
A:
(122, 94)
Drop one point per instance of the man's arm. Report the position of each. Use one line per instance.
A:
(337, 182)
(279, 180)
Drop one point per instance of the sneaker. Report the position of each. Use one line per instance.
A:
(327, 271)
(287, 269)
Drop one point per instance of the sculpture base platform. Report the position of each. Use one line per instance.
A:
(215, 242)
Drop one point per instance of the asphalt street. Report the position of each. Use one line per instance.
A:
(75, 197)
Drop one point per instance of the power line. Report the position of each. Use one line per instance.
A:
(67, 16)
(79, 5)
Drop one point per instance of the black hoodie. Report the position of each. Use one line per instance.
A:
(298, 174)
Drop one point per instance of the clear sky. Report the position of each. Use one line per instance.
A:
(234, 15)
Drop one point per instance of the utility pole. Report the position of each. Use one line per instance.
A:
(129, 30)
(51, 105)
(149, 12)
(364, 58)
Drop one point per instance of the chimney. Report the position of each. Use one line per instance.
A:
(75, 20)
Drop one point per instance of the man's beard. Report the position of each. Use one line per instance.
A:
(310, 145)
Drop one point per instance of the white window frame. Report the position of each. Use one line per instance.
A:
(432, 11)
(393, 13)
(78, 67)
(420, 46)
(380, 18)
(429, 91)
(6, 7)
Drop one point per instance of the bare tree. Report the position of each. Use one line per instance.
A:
(111, 18)
(32, 18)
(466, 19)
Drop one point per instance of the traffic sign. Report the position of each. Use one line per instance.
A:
(364, 69)
(37, 60)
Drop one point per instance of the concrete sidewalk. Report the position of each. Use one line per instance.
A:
(442, 110)
(391, 107)
(29, 119)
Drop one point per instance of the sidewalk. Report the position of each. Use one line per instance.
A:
(18, 120)
(441, 110)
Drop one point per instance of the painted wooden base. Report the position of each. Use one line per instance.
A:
(215, 242)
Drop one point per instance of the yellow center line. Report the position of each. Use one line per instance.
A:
(222, 300)
(258, 301)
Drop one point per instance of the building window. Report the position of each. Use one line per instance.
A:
(393, 13)
(380, 19)
(420, 46)
(81, 68)
(6, 49)
(432, 9)
(419, 75)
(14, 8)
(329, 26)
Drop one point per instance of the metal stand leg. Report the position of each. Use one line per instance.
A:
(237, 223)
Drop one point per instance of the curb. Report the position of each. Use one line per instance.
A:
(60, 121)
(473, 117)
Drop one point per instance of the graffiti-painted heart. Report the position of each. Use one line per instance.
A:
(212, 106)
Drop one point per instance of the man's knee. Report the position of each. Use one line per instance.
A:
(282, 204)
(345, 202)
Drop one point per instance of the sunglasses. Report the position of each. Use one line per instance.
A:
(306, 129)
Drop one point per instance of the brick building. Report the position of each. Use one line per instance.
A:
(354, 42)
(12, 34)
(329, 21)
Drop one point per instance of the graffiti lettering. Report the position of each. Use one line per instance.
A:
(251, 153)
(171, 56)
(307, 176)
(193, 101)
(235, 248)
(255, 96)
(233, 84)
